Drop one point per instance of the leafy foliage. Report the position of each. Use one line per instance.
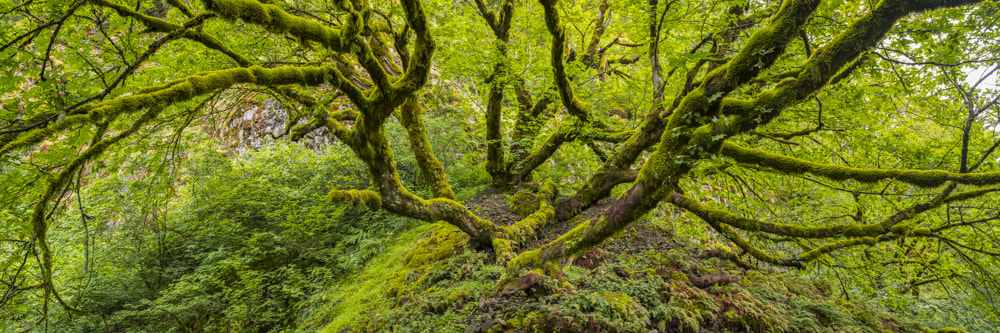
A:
(244, 244)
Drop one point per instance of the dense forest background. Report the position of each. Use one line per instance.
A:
(499, 166)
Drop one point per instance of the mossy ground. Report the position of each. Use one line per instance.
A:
(642, 280)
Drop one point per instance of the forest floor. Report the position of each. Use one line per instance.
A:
(643, 280)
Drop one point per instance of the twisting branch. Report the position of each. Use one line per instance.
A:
(412, 119)
(692, 133)
(155, 24)
(791, 165)
(38, 218)
(573, 105)
(179, 91)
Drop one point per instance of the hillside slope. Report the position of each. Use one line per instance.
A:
(642, 281)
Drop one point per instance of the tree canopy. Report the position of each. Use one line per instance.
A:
(804, 134)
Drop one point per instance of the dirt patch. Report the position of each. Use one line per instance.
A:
(492, 206)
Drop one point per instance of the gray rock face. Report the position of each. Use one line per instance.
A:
(260, 123)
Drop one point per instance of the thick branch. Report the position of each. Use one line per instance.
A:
(179, 91)
(791, 165)
(529, 226)
(412, 118)
(274, 19)
(573, 105)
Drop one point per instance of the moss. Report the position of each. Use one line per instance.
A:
(444, 242)
(207, 82)
(412, 119)
(574, 105)
(768, 43)
(524, 203)
(35, 136)
(921, 232)
(357, 198)
(621, 302)
(791, 165)
(827, 248)
(719, 216)
(678, 277)
(276, 20)
(504, 250)
(951, 330)
(853, 230)
(857, 230)
(901, 229)
(528, 227)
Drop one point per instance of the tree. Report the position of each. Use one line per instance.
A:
(748, 77)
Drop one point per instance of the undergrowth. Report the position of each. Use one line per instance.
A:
(441, 286)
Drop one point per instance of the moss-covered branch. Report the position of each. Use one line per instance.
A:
(179, 91)
(419, 67)
(556, 29)
(357, 198)
(890, 228)
(412, 118)
(181, 7)
(274, 19)
(566, 133)
(529, 226)
(636, 202)
(829, 64)
(791, 165)
(754, 251)
(766, 44)
(689, 131)
(592, 56)
(528, 123)
(371, 145)
(615, 170)
(724, 217)
(39, 225)
(495, 164)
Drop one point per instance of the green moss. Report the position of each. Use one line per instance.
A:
(557, 30)
(768, 43)
(276, 20)
(444, 242)
(951, 330)
(377, 287)
(524, 203)
(620, 302)
(357, 198)
(857, 230)
(827, 248)
(720, 216)
(527, 228)
(901, 229)
(791, 165)
(678, 277)
(411, 114)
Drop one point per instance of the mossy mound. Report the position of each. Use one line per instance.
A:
(441, 286)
